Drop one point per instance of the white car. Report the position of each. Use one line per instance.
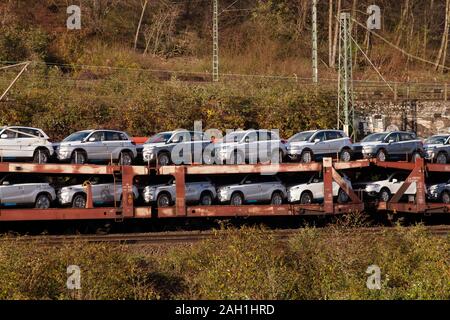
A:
(102, 193)
(18, 143)
(26, 190)
(313, 191)
(384, 189)
(97, 145)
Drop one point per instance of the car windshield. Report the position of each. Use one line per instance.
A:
(234, 137)
(436, 139)
(77, 136)
(302, 136)
(374, 137)
(159, 137)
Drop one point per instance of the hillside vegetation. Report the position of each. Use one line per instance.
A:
(94, 77)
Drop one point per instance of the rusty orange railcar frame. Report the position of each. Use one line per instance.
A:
(127, 209)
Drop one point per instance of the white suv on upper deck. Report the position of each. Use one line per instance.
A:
(18, 143)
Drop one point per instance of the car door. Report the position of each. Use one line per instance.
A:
(264, 145)
(9, 147)
(393, 147)
(27, 140)
(335, 141)
(267, 183)
(252, 188)
(114, 143)
(183, 148)
(96, 147)
(320, 144)
(250, 146)
(315, 185)
(11, 190)
(197, 145)
(407, 145)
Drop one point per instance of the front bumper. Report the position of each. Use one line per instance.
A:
(148, 155)
(293, 196)
(223, 196)
(64, 198)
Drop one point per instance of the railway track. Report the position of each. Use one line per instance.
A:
(182, 237)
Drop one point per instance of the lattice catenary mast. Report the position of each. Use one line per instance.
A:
(345, 111)
(215, 40)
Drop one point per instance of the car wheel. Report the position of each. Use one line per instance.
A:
(306, 157)
(277, 199)
(206, 199)
(163, 159)
(345, 155)
(445, 197)
(43, 201)
(381, 155)
(125, 159)
(79, 157)
(441, 158)
(79, 201)
(342, 196)
(415, 156)
(163, 200)
(237, 199)
(306, 198)
(41, 156)
(385, 195)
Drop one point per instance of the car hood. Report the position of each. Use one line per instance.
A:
(159, 186)
(153, 145)
(368, 143)
(297, 144)
(432, 146)
(66, 144)
(225, 145)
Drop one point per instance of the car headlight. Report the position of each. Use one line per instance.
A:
(373, 186)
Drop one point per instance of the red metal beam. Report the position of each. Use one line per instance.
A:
(58, 168)
(57, 214)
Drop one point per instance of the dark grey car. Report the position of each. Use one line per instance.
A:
(437, 148)
(178, 147)
(395, 145)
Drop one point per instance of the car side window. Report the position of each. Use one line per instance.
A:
(197, 136)
(123, 136)
(9, 134)
(332, 135)
(251, 180)
(264, 135)
(406, 137)
(392, 136)
(27, 133)
(113, 136)
(268, 178)
(181, 137)
(320, 136)
(98, 136)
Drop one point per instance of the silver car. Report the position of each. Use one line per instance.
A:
(313, 145)
(437, 148)
(103, 193)
(387, 146)
(97, 145)
(199, 190)
(254, 188)
(29, 190)
(17, 143)
(177, 147)
(250, 146)
(439, 192)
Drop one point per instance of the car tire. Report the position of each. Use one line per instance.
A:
(277, 198)
(43, 201)
(237, 199)
(79, 201)
(445, 197)
(381, 155)
(78, 157)
(125, 158)
(206, 199)
(41, 156)
(345, 155)
(306, 156)
(342, 196)
(163, 200)
(441, 158)
(415, 156)
(385, 195)
(306, 197)
(164, 159)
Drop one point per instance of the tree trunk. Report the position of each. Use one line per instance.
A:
(444, 41)
(139, 24)
(336, 34)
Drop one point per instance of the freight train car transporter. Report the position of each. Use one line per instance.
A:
(127, 209)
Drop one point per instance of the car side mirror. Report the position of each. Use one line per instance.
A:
(4, 136)
(5, 183)
(247, 140)
(394, 180)
(391, 140)
(91, 139)
(316, 140)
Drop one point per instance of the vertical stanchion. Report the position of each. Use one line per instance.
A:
(328, 185)
(180, 189)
